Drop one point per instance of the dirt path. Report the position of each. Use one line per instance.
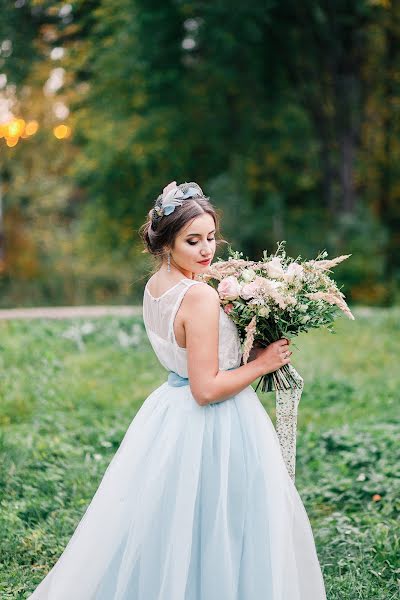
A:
(69, 312)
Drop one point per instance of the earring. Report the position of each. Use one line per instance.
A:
(169, 262)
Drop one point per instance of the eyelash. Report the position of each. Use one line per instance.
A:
(194, 243)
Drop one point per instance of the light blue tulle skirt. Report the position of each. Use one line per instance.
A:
(196, 504)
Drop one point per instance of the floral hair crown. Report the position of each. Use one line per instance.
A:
(173, 195)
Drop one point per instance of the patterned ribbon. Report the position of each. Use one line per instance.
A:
(286, 404)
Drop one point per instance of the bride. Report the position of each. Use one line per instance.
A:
(197, 503)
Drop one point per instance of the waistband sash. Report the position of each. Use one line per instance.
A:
(176, 380)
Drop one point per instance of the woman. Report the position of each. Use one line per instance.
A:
(197, 503)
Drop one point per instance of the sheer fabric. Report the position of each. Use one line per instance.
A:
(159, 315)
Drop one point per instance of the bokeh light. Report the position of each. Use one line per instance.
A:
(12, 141)
(15, 129)
(62, 131)
(31, 127)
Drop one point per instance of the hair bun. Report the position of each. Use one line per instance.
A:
(155, 216)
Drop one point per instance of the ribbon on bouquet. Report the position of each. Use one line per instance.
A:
(287, 402)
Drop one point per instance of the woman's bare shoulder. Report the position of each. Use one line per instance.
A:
(200, 316)
(201, 292)
(200, 298)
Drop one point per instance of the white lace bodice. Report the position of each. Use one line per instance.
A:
(159, 315)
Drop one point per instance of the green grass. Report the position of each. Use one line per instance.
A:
(66, 404)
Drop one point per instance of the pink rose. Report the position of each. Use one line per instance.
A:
(229, 288)
(250, 290)
(228, 308)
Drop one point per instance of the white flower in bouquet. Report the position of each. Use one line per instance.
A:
(264, 311)
(275, 291)
(274, 268)
(248, 275)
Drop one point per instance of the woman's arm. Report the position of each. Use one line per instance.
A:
(200, 313)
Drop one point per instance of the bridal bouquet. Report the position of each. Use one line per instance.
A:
(277, 297)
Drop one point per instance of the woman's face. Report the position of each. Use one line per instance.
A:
(194, 243)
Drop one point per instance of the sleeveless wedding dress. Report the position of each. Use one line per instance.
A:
(197, 503)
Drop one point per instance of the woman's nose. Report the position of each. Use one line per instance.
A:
(206, 250)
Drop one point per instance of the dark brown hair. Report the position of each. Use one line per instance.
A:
(168, 226)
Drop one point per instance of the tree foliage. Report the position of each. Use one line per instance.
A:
(286, 113)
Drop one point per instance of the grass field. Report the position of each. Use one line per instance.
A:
(69, 390)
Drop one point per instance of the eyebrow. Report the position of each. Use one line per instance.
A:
(199, 234)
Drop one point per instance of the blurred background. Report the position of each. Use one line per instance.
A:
(286, 113)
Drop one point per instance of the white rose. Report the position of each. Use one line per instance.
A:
(264, 311)
(274, 268)
(248, 275)
(305, 319)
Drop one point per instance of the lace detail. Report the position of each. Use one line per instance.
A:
(287, 402)
(158, 317)
(229, 350)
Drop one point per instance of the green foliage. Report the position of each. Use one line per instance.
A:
(353, 492)
(18, 27)
(286, 113)
(66, 405)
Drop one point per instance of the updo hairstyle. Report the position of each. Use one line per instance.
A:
(159, 233)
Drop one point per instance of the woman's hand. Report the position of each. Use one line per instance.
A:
(274, 356)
